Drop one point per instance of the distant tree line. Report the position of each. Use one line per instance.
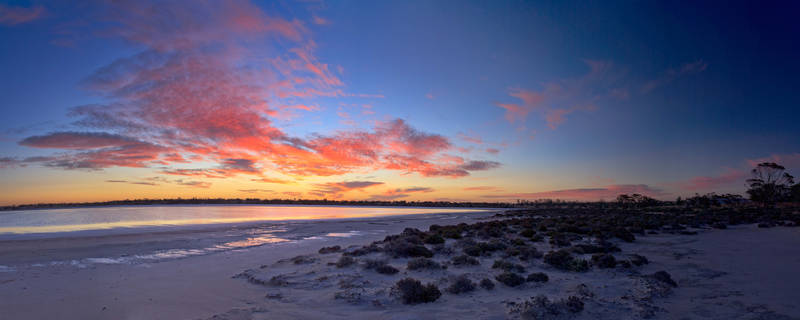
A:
(254, 201)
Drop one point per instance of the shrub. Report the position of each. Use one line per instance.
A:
(510, 279)
(302, 260)
(364, 250)
(541, 307)
(373, 264)
(624, 235)
(574, 304)
(464, 260)
(527, 233)
(413, 292)
(507, 266)
(461, 284)
(527, 253)
(562, 260)
(326, 250)
(406, 248)
(434, 239)
(423, 263)
(603, 260)
(345, 261)
(664, 277)
(487, 284)
(538, 277)
(386, 269)
(474, 251)
(638, 260)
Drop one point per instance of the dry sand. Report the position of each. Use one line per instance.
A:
(740, 273)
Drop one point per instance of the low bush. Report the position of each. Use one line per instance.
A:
(510, 279)
(433, 239)
(487, 284)
(664, 277)
(345, 261)
(563, 260)
(464, 260)
(638, 260)
(507, 266)
(333, 249)
(413, 292)
(538, 277)
(405, 248)
(380, 266)
(423, 263)
(604, 261)
(461, 284)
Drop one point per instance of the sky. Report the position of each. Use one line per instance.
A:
(393, 100)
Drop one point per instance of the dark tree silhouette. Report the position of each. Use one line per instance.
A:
(770, 183)
(796, 193)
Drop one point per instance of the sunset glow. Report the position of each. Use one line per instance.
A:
(381, 100)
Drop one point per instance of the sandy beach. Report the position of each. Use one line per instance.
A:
(743, 272)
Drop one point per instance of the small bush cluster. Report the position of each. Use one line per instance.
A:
(380, 266)
(510, 279)
(563, 260)
(464, 260)
(345, 261)
(413, 292)
(507, 266)
(364, 250)
(664, 277)
(638, 260)
(540, 307)
(604, 261)
(487, 284)
(461, 284)
(423, 263)
(333, 249)
(538, 277)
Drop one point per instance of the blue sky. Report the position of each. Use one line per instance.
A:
(471, 100)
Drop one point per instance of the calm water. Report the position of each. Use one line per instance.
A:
(104, 218)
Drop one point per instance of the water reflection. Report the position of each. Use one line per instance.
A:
(82, 219)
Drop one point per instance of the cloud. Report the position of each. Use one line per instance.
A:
(585, 194)
(492, 150)
(470, 139)
(271, 180)
(788, 160)
(204, 86)
(256, 190)
(709, 183)
(193, 183)
(18, 15)
(398, 193)
(673, 74)
(557, 99)
(77, 140)
(145, 183)
(482, 188)
(336, 189)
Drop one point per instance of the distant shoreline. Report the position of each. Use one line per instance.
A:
(151, 202)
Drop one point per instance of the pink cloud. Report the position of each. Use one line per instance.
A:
(18, 15)
(673, 74)
(788, 160)
(709, 183)
(585, 194)
(558, 99)
(336, 189)
(200, 90)
(398, 193)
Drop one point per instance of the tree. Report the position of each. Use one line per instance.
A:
(770, 183)
(796, 193)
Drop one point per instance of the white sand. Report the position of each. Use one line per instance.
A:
(740, 273)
